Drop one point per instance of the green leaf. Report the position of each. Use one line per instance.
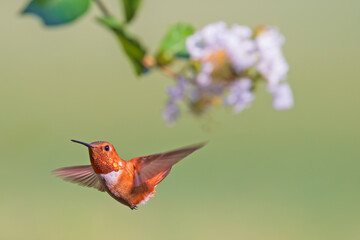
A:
(132, 47)
(57, 12)
(130, 8)
(174, 43)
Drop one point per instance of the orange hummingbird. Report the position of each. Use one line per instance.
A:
(132, 182)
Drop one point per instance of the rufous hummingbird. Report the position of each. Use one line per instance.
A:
(132, 182)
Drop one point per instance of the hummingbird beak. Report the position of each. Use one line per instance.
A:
(85, 144)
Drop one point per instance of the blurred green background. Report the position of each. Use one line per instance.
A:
(264, 174)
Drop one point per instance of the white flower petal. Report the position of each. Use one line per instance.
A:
(240, 95)
(272, 64)
(203, 79)
(243, 32)
(170, 113)
(283, 97)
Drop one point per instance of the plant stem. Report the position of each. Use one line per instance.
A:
(148, 61)
(102, 8)
(151, 62)
(168, 71)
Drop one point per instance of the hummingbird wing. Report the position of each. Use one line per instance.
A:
(147, 167)
(82, 175)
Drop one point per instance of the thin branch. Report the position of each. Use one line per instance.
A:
(168, 71)
(102, 8)
(150, 62)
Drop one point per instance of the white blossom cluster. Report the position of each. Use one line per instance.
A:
(230, 62)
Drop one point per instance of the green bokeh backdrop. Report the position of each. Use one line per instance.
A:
(264, 174)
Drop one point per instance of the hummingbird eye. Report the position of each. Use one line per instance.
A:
(107, 148)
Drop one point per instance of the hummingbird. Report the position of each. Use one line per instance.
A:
(132, 182)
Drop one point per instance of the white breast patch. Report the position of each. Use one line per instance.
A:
(111, 178)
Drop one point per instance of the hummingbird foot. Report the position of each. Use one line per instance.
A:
(134, 208)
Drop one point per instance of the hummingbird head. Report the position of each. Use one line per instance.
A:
(103, 157)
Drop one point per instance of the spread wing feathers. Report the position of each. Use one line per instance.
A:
(150, 166)
(82, 175)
